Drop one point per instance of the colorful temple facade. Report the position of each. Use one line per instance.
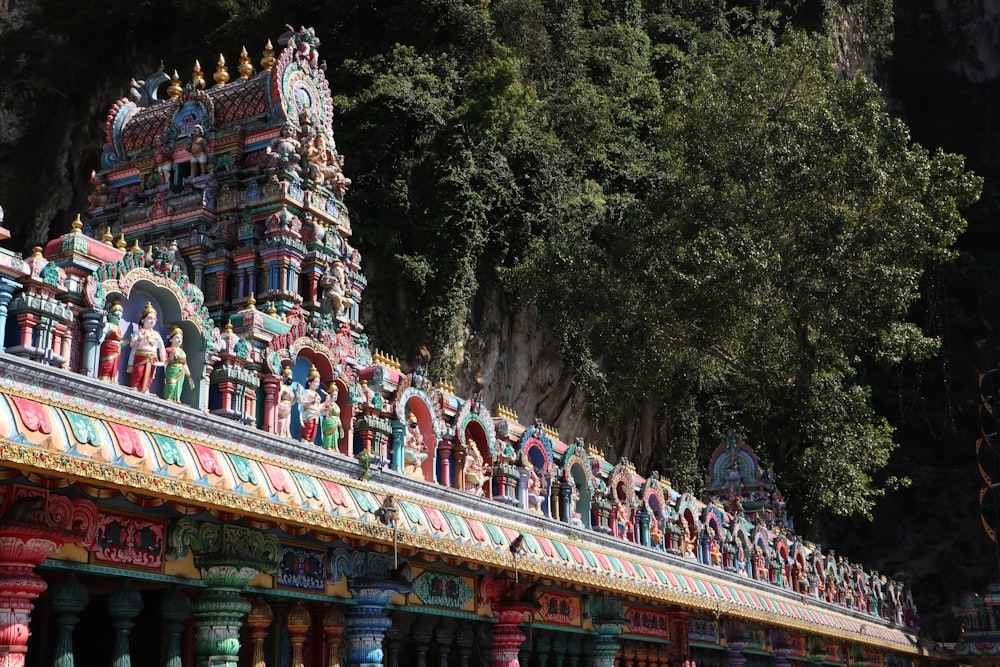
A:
(206, 463)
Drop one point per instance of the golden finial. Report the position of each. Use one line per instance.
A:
(273, 310)
(593, 451)
(631, 467)
(197, 76)
(221, 75)
(267, 62)
(445, 386)
(108, 237)
(550, 431)
(135, 246)
(77, 224)
(120, 243)
(175, 89)
(506, 413)
(149, 255)
(245, 68)
(252, 302)
(229, 326)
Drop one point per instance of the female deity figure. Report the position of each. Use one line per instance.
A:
(310, 407)
(111, 346)
(414, 449)
(475, 470)
(333, 430)
(534, 491)
(286, 397)
(147, 353)
(162, 161)
(177, 367)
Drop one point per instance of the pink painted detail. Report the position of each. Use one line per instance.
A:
(278, 477)
(546, 545)
(128, 439)
(577, 554)
(435, 518)
(604, 562)
(559, 608)
(336, 492)
(507, 634)
(477, 529)
(126, 540)
(208, 458)
(33, 415)
(647, 622)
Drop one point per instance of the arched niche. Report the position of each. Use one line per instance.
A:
(415, 402)
(474, 434)
(536, 457)
(169, 313)
(579, 472)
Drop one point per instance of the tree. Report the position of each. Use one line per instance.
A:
(786, 238)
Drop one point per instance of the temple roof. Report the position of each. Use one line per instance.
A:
(97, 434)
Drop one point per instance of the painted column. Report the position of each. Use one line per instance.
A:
(270, 385)
(559, 645)
(608, 616)
(507, 634)
(259, 620)
(393, 642)
(543, 642)
(123, 605)
(444, 635)
(736, 657)
(421, 634)
(465, 638)
(7, 289)
(444, 459)
(367, 620)
(175, 608)
(228, 557)
(23, 546)
(69, 598)
(298, 623)
(573, 650)
(92, 321)
(334, 625)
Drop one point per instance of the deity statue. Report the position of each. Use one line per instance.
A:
(333, 429)
(283, 151)
(575, 518)
(147, 353)
(475, 470)
(336, 288)
(111, 346)
(310, 407)
(198, 147)
(624, 520)
(162, 161)
(286, 397)
(534, 491)
(99, 197)
(414, 449)
(177, 367)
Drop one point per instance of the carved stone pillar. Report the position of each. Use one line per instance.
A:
(259, 620)
(444, 635)
(507, 634)
(421, 633)
(334, 625)
(736, 657)
(228, 557)
(393, 642)
(573, 650)
(298, 623)
(444, 459)
(7, 289)
(91, 320)
(559, 642)
(123, 605)
(27, 536)
(465, 638)
(271, 384)
(367, 620)
(69, 598)
(175, 608)
(608, 616)
(543, 643)
(628, 654)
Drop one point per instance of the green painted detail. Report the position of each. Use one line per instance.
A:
(458, 526)
(560, 549)
(308, 485)
(589, 556)
(83, 429)
(531, 543)
(616, 564)
(366, 502)
(169, 450)
(413, 512)
(245, 471)
(442, 590)
(495, 534)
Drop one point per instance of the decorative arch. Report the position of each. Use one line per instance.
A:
(576, 469)
(477, 439)
(416, 402)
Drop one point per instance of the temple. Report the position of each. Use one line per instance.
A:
(206, 461)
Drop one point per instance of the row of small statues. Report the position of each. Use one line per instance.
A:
(316, 409)
(147, 352)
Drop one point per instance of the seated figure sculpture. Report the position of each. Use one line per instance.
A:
(414, 449)
(475, 470)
